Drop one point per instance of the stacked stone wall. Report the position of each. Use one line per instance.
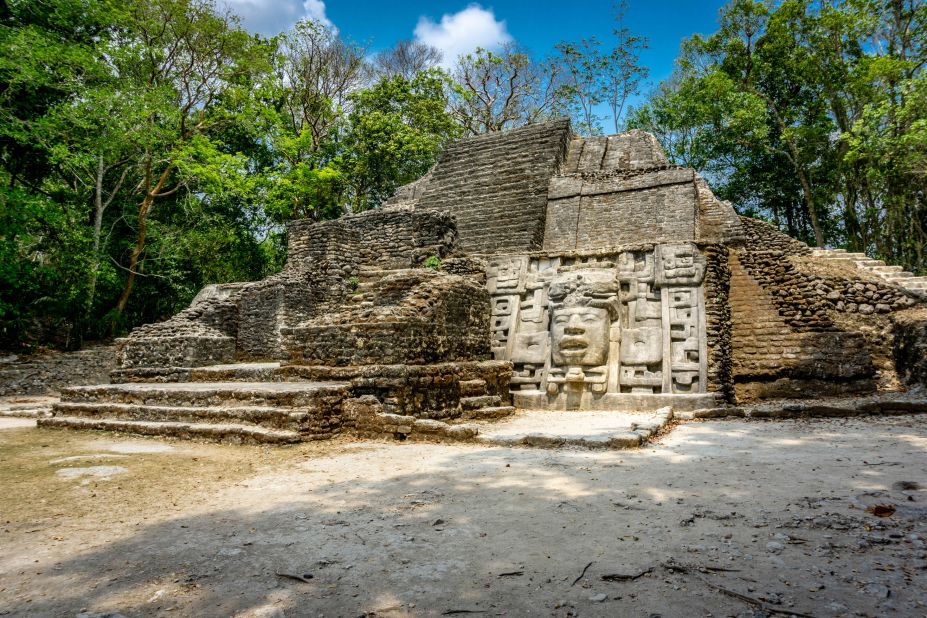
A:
(422, 391)
(265, 306)
(910, 347)
(594, 206)
(804, 298)
(496, 186)
(603, 212)
(717, 222)
(471, 267)
(416, 317)
(387, 238)
(718, 321)
(44, 374)
(826, 307)
(765, 236)
(629, 151)
(771, 358)
(245, 321)
(202, 334)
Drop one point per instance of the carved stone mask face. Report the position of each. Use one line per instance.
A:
(579, 335)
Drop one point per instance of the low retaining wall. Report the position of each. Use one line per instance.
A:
(44, 374)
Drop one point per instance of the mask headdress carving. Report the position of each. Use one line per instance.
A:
(590, 330)
(584, 303)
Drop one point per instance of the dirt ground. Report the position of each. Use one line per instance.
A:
(720, 518)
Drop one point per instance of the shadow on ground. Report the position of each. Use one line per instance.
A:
(424, 529)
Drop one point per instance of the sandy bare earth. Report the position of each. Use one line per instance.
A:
(720, 518)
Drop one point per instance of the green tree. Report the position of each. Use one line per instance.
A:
(811, 114)
(109, 110)
(396, 130)
(51, 55)
(316, 74)
(594, 76)
(623, 70)
(182, 59)
(584, 73)
(407, 58)
(496, 91)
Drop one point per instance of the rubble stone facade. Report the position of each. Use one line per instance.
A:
(531, 269)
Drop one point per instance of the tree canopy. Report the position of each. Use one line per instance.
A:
(811, 114)
(150, 147)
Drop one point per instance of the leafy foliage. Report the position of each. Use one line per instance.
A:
(150, 147)
(812, 115)
(494, 91)
(395, 132)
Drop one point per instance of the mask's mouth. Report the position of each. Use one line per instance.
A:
(573, 344)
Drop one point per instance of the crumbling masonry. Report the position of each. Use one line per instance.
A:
(528, 269)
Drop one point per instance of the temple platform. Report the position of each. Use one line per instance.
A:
(235, 412)
(584, 429)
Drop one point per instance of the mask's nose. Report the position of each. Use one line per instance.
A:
(574, 326)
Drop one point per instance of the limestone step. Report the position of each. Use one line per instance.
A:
(270, 418)
(488, 413)
(896, 276)
(371, 275)
(206, 394)
(480, 401)
(584, 429)
(472, 388)
(838, 254)
(26, 406)
(235, 372)
(845, 258)
(226, 432)
(26, 413)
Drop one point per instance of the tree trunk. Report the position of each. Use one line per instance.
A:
(809, 203)
(143, 211)
(807, 193)
(795, 157)
(98, 208)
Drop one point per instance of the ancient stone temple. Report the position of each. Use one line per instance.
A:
(529, 269)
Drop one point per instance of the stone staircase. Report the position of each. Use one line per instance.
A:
(477, 404)
(233, 412)
(772, 359)
(892, 274)
(246, 403)
(364, 293)
(26, 406)
(762, 341)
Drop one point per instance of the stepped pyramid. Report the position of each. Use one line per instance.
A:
(572, 274)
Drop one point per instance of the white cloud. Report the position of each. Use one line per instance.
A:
(462, 32)
(315, 9)
(269, 17)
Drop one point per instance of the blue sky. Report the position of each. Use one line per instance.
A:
(459, 26)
